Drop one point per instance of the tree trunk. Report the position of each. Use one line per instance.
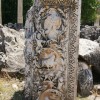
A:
(97, 22)
(51, 52)
(20, 13)
(0, 13)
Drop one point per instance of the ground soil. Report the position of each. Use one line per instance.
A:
(12, 89)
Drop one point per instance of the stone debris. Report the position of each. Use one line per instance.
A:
(90, 32)
(15, 87)
(12, 47)
(11, 50)
(12, 56)
(87, 46)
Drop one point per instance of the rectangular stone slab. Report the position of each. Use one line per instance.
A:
(56, 22)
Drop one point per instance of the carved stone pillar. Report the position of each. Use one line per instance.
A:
(51, 52)
(0, 13)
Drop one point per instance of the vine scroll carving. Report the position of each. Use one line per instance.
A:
(51, 51)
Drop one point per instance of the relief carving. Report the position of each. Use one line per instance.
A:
(47, 38)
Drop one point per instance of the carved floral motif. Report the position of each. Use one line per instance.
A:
(51, 36)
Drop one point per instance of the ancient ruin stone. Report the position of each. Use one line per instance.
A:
(51, 49)
(98, 40)
(90, 50)
(12, 46)
(2, 44)
(90, 32)
(85, 78)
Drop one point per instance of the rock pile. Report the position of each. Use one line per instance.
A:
(90, 51)
(90, 32)
(11, 49)
(89, 47)
(98, 40)
(12, 56)
(12, 46)
(15, 26)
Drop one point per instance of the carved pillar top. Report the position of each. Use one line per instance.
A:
(54, 2)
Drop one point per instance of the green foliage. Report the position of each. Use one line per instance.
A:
(89, 8)
(98, 7)
(9, 10)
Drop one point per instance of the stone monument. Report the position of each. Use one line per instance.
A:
(51, 51)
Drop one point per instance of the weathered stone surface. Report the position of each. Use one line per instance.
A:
(90, 50)
(2, 60)
(90, 32)
(94, 59)
(89, 67)
(87, 46)
(2, 38)
(46, 65)
(13, 44)
(98, 40)
(85, 78)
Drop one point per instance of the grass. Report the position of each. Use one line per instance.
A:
(9, 91)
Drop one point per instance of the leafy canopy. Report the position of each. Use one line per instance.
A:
(9, 10)
(89, 8)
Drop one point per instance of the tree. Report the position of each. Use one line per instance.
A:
(88, 11)
(26, 5)
(97, 21)
(9, 10)
(20, 12)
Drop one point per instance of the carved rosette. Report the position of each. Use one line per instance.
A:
(51, 50)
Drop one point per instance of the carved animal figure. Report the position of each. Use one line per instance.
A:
(49, 58)
(49, 93)
(52, 23)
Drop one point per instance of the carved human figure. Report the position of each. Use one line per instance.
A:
(52, 24)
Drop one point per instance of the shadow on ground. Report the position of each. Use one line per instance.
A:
(19, 95)
(96, 76)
